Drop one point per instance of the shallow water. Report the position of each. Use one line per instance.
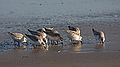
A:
(109, 23)
(75, 48)
(70, 48)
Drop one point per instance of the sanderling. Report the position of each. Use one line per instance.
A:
(39, 32)
(18, 38)
(99, 35)
(50, 29)
(53, 35)
(74, 34)
(38, 40)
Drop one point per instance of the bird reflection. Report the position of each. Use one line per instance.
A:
(55, 48)
(39, 49)
(100, 45)
(75, 46)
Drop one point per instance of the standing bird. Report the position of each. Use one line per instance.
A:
(53, 35)
(39, 32)
(18, 38)
(99, 35)
(38, 40)
(50, 29)
(40, 35)
(74, 34)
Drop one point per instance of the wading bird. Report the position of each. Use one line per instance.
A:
(18, 38)
(74, 34)
(99, 35)
(53, 35)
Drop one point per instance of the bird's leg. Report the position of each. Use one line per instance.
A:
(45, 40)
(14, 43)
(48, 41)
(47, 45)
(56, 42)
(34, 46)
(18, 44)
(40, 42)
(52, 42)
(24, 44)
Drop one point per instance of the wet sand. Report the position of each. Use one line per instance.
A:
(53, 59)
(108, 57)
(86, 55)
(18, 16)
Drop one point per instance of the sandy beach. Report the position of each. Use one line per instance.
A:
(103, 15)
(68, 56)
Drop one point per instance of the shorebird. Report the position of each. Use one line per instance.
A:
(38, 40)
(74, 34)
(18, 38)
(53, 35)
(50, 29)
(40, 35)
(99, 35)
(37, 31)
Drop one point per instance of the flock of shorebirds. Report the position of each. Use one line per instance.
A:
(46, 36)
